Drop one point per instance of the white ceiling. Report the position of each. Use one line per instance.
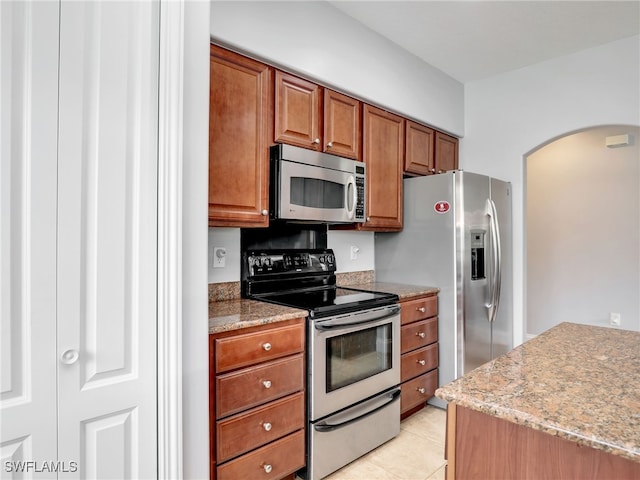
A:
(470, 40)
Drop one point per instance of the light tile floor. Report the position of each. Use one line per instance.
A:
(417, 453)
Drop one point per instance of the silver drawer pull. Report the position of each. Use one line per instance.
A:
(421, 309)
(421, 334)
(421, 389)
(267, 426)
(266, 383)
(266, 346)
(267, 468)
(422, 362)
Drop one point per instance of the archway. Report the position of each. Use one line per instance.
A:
(582, 207)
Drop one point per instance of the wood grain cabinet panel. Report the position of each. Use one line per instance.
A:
(446, 152)
(239, 133)
(419, 352)
(256, 385)
(247, 349)
(416, 392)
(342, 125)
(257, 401)
(275, 460)
(383, 153)
(419, 361)
(419, 334)
(298, 111)
(414, 310)
(248, 430)
(419, 154)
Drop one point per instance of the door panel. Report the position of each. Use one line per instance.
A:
(28, 139)
(107, 237)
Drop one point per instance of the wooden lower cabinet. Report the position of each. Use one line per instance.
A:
(419, 353)
(257, 401)
(483, 446)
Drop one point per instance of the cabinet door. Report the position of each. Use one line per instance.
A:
(107, 240)
(446, 152)
(383, 150)
(238, 140)
(342, 125)
(419, 156)
(298, 111)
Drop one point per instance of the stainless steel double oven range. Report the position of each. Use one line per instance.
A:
(353, 353)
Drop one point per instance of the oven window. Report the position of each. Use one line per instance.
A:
(358, 355)
(316, 193)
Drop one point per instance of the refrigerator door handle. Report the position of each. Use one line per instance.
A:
(496, 257)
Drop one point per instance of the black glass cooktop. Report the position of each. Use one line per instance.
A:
(331, 300)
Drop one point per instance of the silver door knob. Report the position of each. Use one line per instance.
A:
(264, 213)
(421, 309)
(421, 334)
(330, 144)
(69, 357)
(421, 390)
(267, 383)
(267, 426)
(267, 468)
(266, 346)
(433, 170)
(316, 141)
(422, 362)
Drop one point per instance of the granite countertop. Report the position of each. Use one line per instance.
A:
(574, 381)
(241, 313)
(403, 291)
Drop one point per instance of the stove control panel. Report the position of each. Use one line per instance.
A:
(290, 262)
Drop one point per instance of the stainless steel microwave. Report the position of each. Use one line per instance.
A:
(310, 186)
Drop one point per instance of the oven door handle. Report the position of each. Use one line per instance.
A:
(393, 311)
(327, 427)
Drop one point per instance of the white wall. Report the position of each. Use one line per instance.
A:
(507, 116)
(318, 41)
(583, 231)
(195, 326)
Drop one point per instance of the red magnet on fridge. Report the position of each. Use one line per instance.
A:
(442, 206)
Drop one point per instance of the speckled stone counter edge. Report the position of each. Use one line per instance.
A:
(475, 391)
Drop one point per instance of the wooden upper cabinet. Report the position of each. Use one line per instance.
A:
(419, 156)
(383, 152)
(298, 111)
(342, 125)
(310, 116)
(446, 153)
(239, 139)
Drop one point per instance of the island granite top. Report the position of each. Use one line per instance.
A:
(241, 313)
(574, 381)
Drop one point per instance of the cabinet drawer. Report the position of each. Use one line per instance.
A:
(251, 348)
(254, 386)
(419, 361)
(418, 390)
(272, 461)
(413, 310)
(254, 428)
(419, 334)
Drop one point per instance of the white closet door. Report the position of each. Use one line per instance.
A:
(28, 144)
(107, 242)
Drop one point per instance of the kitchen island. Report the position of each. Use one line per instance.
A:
(565, 404)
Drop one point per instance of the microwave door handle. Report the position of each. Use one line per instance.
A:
(351, 187)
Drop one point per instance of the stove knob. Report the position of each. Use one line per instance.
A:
(330, 258)
(257, 262)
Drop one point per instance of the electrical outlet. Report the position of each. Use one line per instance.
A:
(354, 252)
(614, 319)
(219, 257)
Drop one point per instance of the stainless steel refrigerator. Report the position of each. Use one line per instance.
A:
(457, 237)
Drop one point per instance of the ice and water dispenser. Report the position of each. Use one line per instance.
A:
(477, 254)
